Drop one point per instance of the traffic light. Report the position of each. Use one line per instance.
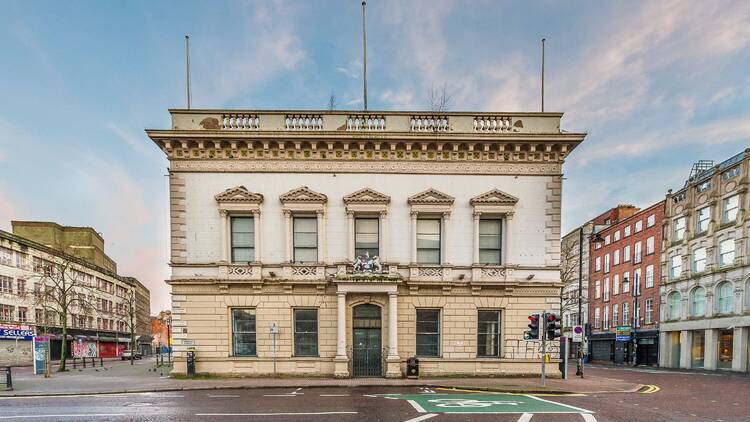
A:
(553, 326)
(533, 332)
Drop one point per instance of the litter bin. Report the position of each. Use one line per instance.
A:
(412, 367)
(191, 363)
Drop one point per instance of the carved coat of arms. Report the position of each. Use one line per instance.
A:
(366, 264)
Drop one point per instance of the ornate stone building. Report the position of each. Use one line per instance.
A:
(342, 243)
(705, 290)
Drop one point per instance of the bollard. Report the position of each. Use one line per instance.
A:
(74, 364)
(8, 378)
(101, 361)
(84, 362)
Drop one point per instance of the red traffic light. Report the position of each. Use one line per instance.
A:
(552, 318)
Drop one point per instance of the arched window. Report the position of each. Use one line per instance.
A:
(698, 302)
(724, 298)
(673, 306)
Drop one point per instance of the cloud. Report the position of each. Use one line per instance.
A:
(399, 100)
(136, 143)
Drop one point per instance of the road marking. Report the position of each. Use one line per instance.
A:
(588, 417)
(334, 395)
(650, 389)
(526, 417)
(559, 404)
(417, 406)
(275, 414)
(422, 418)
(513, 394)
(280, 395)
(222, 395)
(79, 415)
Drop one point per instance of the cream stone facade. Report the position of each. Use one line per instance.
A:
(362, 239)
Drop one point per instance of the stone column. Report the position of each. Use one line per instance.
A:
(350, 236)
(383, 236)
(393, 361)
(224, 214)
(288, 236)
(444, 258)
(414, 236)
(685, 349)
(508, 238)
(739, 351)
(258, 237)
(322, 243)
(341, 361)
(477, 216)
(664, 349)
(710, 357)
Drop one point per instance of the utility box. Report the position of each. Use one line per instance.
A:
(412, 367)
(191, 362)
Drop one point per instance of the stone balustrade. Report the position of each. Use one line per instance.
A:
(362, 121)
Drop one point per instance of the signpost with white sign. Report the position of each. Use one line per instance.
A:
(577, 334)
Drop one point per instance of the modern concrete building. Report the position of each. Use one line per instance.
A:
(624, 286)
(342, 243)
(706, 269)
(99, 328)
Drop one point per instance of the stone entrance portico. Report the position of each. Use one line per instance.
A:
(369, 284)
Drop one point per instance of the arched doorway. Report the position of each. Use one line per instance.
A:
(366, 341)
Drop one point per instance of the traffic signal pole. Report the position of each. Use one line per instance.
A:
(543, 335)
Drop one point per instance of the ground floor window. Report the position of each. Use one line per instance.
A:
(243, 332)
(428, 332)
(306, 332)
(698, 352)
(725, 349)
(488, 334)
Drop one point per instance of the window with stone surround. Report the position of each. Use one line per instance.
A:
(724, 298)
(244, 342)
(726, 252)
(428, 240)
(702, 218)
(731, 206)
(6, 312)
(305, 332)
(6, 284)
(673, 306)
(488, 333)
(305, 239)
(366, 235)
(731, 173)
(428, 332)
(243, 239)
(699, 260)
(675, 266)
(678, 229)
(6, 256)
(23, 314)
(490, 241)
(698, 302)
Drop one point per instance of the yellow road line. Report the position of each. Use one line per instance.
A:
(650, 389)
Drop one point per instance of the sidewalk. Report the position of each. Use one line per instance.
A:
(121, 377)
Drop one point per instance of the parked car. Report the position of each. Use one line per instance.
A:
(127, 353)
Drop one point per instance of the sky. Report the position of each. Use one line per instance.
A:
(657, 85)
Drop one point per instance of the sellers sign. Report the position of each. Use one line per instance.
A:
(14, 331)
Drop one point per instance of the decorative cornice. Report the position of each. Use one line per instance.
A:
(239, 194)
(494, 197)
(367, 196)
(303, 195)
(430, 197)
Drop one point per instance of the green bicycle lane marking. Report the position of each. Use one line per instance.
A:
(485, 403)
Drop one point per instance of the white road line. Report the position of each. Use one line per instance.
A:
(222, 395)
(422, 418)
(277, 414)
(417, 406)
(526, 417)
(280, 395)
(559, 404)
(79, 415)
(588, 417)
(334, 395)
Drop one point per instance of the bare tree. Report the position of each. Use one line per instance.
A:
(127, 315)
(438, 98)
(332, 103)
(63, 291)
(569, 261)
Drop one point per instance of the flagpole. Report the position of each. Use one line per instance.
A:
(543, 39)
(187, 70)
(364, 52)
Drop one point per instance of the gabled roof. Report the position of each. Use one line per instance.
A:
(239, 194)
(303, 194)
(494, 197)
(367, 195)
(430, 196)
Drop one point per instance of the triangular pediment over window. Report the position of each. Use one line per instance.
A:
(303, 194)
(367, 196)
(239, 194)
(431, 196)
(494, 197)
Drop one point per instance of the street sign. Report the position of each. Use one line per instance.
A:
(622, 333)
(577, 334)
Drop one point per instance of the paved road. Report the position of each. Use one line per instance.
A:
(676, 397)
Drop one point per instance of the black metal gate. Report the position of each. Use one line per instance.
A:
(367, 342)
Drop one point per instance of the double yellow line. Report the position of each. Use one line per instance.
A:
(650, 389)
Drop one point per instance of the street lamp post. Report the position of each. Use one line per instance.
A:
(169, 340)
(636, 315)
(579, 346)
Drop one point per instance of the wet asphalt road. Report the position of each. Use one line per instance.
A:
(679, 397)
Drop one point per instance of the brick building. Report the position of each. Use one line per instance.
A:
(624, 274)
